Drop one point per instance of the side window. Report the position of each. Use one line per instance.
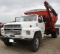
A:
(40, 19)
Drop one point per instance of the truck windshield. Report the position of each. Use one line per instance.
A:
(27, 18)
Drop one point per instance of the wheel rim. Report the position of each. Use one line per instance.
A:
(37, 43)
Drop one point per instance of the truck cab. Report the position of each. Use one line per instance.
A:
(25, 27)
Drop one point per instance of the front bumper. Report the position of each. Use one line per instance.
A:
(15, 39)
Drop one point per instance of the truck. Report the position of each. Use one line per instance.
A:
(31, 27)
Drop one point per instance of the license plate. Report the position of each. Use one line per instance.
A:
(11, 40)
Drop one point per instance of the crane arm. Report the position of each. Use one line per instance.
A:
(48, 6)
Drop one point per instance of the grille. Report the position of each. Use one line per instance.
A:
(13, 31)
(12, 26)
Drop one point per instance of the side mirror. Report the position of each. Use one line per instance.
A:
(39, 21)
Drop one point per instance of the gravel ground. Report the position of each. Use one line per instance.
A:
(49, 46)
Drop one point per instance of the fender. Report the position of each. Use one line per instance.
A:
(32, 29)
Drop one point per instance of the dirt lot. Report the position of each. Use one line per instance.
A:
(49, 46)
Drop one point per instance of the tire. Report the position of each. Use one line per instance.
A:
(36, 42)
(57, 29)
(54, 34)
(8, 43)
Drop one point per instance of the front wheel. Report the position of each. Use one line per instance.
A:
(36, 42)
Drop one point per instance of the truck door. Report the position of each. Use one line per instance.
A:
(41, 25)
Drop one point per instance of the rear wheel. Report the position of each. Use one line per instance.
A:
(54, 34)
(36, 42)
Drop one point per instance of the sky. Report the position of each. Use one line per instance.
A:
(9, 9)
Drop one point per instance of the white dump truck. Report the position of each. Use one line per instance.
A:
(30, 27)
